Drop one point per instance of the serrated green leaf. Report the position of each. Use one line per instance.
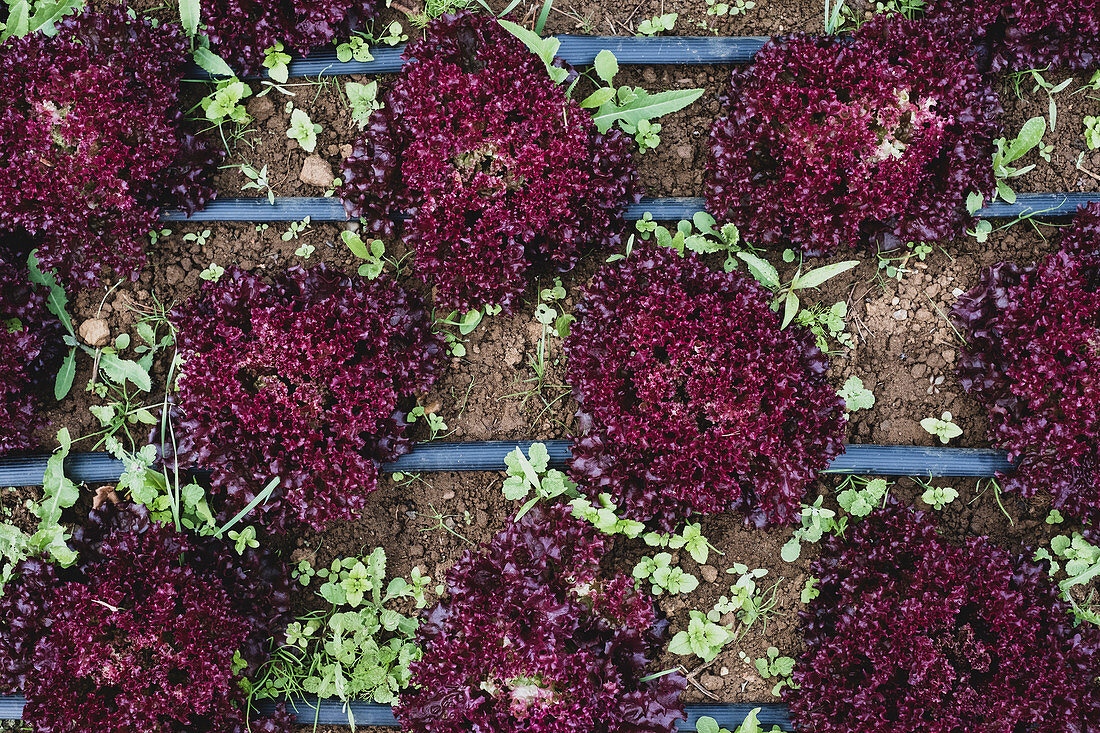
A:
(761, 269)
(125, 370)
(211, 62)
(645, 107)
(598, 98)
(190, 12)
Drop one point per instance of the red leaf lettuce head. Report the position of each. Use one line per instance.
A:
(1033, 359)
(306, 379)
(909, 629)
(531, 638)
(30, 350)
(241, 31)
(691, 397)
(831, 141)
(1025, 34)
(93, 142)
(497, 170)
(140, 634)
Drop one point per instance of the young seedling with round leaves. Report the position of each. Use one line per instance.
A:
(497, 168)
(148, 630)
(830, 142)
(942, 427)
(531, 637)
(91, 125)
(909, 628)
(676, 370)
(306, 379)
(1032, 358)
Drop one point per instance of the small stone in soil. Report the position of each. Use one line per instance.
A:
(711, 682)
(95, 332)
(316, 171)
(709, 573)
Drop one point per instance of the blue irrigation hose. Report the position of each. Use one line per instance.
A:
(662, 209)
(880, 460)
(331, 712)
(577, 50)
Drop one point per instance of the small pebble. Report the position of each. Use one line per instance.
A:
(709, 573)
(448, 495)
(900, 315)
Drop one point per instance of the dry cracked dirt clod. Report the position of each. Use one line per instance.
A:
(95, 332)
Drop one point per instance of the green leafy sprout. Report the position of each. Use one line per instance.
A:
(942, 427)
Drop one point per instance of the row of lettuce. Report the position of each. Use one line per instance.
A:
(293, 389)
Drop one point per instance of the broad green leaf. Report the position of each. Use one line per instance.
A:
(211, 62)
(1005, 192)
(56, 300)
(607, 66)
(190, 11)
(46, 14)
(761, 269)
(707, 724)
(598, 98)
(791, 551)
(645, 107)
(1030, 135)
(65, 375)
(816, 277)
(790, 308)
(355, 244)
(123, 370)
(19, 21)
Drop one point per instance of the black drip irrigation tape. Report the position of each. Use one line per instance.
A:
(577, 50)
(879, 460)
(330, 712)
(662, 209)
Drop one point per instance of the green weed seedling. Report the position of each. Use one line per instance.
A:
(436, 424)
(856, 397)
(786, 294)
(531, 476)
(935, 496)
(50, 537)
(303, 130)
(942, 427)
(357, 647)
(701, 235)
(825, 323)
(1007, 153)
(657, 24)
(816, 521)
(859, 496)
(363, 100)
(732, 8)
(662, 576)
(611, 106)
(810, 591)
(295, 229)
(1080, 562)
(702, 638)
(746, 600)
(751, 724)
(690, 538)
(602, 516)
(1092, 132)
(774, 666)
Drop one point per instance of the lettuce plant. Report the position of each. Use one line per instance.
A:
(148, 630)
(1032, 357)
(692, 399)
(908, 629)
(30, 351)
(246, 33)
(497, 169)
(530, 637)
(1025, 34)
(832, 141)
(306, 379)
(92, 130)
